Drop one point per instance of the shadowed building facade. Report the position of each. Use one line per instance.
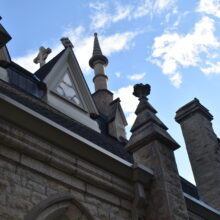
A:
(64, 153)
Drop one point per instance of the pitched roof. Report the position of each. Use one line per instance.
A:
(108, 143)
(36, 104)
(45, 69)
(25, 80)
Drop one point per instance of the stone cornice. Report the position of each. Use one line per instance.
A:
(192, 107)
(151, 133)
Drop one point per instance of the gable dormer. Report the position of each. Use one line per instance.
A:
(117, 121)
(67, 90)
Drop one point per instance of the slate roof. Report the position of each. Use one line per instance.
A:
(23, 79)
(36, 104)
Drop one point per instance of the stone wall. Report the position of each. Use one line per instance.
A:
(193, 216)
(32, 170)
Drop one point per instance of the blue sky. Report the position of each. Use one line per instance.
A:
(171, 44)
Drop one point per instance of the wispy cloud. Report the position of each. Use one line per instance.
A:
(212, 68)
(136, 76)
(143, 9)
(161, 5)
(118, 74)
(211, 7)
(151, 7)
(83, 45)
(113, 11)
(104, 16)
(172, 50)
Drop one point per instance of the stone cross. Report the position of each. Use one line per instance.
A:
(66, 42)
(42, 56)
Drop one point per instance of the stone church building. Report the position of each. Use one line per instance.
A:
(64, 153)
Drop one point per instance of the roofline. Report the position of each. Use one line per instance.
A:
(201, 208)
(48, 129)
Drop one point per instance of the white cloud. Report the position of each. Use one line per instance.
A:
(128, 101)
(176, 80)
(211, 7)
(100, 20)
(103, 16)
(118, 74)
(172, 50)
(151, 7)
(122, 12)
(27, 61)
(213, 68)
(136, 76)
(98, 5)
(143, 9)
(107, 13)
(161, 5)
(83, 46)
(117, 42)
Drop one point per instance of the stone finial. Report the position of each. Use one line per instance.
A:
(141, 90)
(66, 42)
(42, 56)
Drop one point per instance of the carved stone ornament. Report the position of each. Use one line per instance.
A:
(66, 42)
(141, 90)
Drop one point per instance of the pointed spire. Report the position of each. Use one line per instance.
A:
(96, 48)
(97, 55)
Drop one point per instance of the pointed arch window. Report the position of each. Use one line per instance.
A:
(66, 89)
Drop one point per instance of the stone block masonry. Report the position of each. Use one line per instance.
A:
(203, 146)
(33, 170)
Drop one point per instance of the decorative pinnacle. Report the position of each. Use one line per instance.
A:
(97, 53)
(141, 91)
(66, 42)
(97, 49)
